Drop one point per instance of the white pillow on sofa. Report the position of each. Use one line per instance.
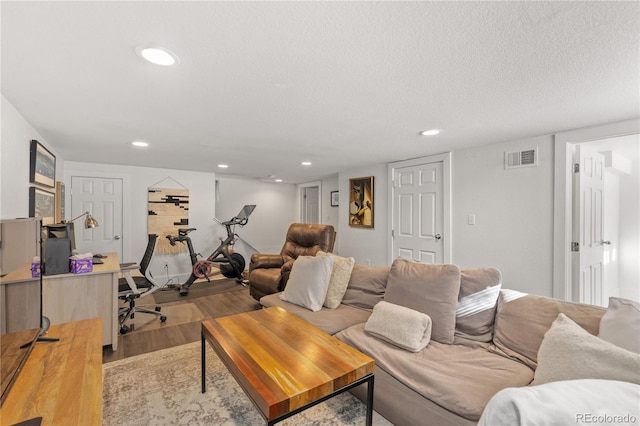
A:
(400, 326)
(620, 325)
(308, 282)
(569, 352)
(342, 267)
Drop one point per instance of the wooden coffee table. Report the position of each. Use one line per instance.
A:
(284, 364)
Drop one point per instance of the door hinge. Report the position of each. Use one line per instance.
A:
(576, 168)
(575, 246)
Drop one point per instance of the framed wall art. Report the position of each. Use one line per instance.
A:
(42, 204)
(335, 201)
(42, 167)
(361, 205)
(60, 213)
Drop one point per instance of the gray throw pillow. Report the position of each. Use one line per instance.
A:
(430, 289)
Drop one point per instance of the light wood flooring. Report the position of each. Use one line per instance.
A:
(183, 323)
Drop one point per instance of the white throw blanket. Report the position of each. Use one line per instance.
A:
(400, 326)
(568, 402)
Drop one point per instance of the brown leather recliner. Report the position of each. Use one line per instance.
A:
(269, 273)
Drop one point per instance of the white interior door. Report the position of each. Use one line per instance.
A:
(418, 213)
(588, 242)
(310, 204)
(102, 197)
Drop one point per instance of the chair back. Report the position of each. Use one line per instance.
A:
(305, 239)
(148, 253)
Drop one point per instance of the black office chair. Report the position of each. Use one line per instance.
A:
(131, 288)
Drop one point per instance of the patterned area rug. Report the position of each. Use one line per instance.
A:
(163, 388)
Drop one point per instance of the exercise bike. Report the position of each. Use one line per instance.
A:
(223, 260)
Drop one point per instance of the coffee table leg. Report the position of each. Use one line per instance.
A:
(203, 363)
(369, 420)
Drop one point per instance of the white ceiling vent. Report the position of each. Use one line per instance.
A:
(526, 158)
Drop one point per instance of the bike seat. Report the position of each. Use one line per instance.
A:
(184, 231)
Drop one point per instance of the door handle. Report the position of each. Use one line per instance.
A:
(117, 237)
(607, 243)
(438, 236)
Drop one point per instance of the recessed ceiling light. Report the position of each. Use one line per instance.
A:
(157, 55)
(140, 144)
(278, 180)
(306, 163)
(431, 132)
(223, 166)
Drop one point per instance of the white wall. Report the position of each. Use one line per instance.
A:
(629, 245)
(514, 214)
(15, 140)
(366, 245)
(275, 210)
(136, 181)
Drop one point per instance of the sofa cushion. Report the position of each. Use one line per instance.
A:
(308, 282)
(620, 325)
(458, 378)
(430, 289)
(523, 319)
(328, 320)
(400, 326)
(342, 267)
(477, 302)
(366, 287)
(568, 352)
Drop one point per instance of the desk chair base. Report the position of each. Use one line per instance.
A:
(127, 313)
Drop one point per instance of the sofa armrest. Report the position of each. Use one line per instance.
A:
(285, 271)
(260, 260)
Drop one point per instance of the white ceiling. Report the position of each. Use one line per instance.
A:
(262, 86)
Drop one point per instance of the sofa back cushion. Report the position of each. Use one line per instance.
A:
(366, 286)
(477, 303)
(523, 319)
(430, 289)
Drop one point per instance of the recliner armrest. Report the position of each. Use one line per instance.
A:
(260, 260)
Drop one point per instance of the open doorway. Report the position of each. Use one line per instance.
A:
(606, 228)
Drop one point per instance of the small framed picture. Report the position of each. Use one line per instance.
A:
(335, 201)
(42, 167)
(42, 204)
(361, 202)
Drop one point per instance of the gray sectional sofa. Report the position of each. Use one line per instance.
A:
(483, 338)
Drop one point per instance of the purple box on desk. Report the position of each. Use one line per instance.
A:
(81, 266)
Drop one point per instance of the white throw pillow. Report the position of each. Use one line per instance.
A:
(400, 326)
(568, 352)
(308, 282)
(342, 267)
(620, 325)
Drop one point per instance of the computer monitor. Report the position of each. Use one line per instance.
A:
(59, 241)
(246, 211)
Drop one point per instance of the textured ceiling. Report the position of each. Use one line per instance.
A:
(262, 86)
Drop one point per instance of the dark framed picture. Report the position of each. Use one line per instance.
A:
(361, 202)
(42, 204)
(42, 167)
(335, 201)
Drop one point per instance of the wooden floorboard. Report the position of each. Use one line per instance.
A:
(214, 306)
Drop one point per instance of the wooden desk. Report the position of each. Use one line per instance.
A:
(284, 364)
(61, 381)
(74, 297)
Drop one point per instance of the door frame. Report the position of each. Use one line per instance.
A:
(563, 199)
(300, 188)
(70, 173)
(447, 233)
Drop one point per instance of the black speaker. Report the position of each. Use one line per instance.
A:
(56, 253)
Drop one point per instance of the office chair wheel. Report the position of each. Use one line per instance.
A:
(158, 308)
(163, 318)
(124, 329)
